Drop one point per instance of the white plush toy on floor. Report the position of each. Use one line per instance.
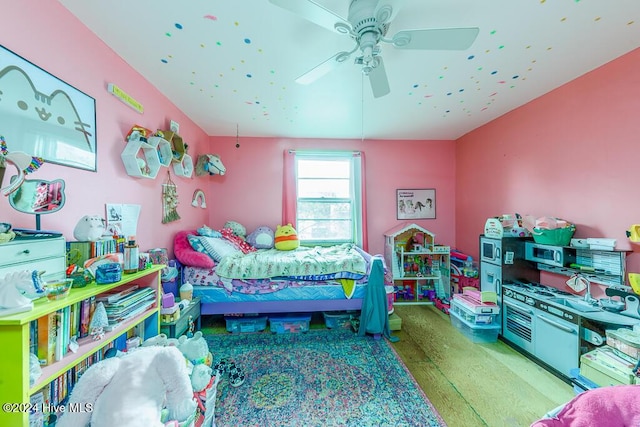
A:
(132, 390)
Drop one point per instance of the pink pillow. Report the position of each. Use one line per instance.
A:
(185, 253)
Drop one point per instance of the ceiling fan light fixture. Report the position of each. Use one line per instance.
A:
(343, 56)
(401, 39)
(342, 28)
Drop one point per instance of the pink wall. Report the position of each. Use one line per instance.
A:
(251, 192)
(46, 34)
(49, 36)
(567, 154)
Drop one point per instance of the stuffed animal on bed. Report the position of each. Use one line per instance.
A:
(237, 229)
(132, 390)
(261, 238)
(286, 238)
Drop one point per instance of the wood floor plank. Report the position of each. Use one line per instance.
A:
(487, 384)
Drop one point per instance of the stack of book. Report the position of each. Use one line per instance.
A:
(122, 305)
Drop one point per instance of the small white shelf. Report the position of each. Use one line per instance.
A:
(163, 150)
(185, 167)
(140, 160)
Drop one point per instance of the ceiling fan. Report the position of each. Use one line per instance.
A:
(367, 24)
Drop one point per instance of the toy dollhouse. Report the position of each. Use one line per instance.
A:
(419, 267)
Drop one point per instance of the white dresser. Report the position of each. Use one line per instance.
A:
(42, 254)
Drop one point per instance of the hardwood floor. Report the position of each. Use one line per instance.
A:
(474, 384)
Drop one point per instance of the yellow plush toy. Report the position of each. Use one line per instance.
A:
(286, 238)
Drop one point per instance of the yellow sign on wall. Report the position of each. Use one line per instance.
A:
(124, 97)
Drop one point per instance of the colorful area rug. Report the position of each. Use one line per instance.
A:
(319, 378)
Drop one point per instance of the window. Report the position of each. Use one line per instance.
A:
(325, 196)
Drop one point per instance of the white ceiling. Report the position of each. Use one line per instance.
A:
(233, 63)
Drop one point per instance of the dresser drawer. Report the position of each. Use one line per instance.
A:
(28, 251)
(54, 268)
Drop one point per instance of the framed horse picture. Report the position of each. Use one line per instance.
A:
(416, 203)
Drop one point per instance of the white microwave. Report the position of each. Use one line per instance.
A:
(557, 256)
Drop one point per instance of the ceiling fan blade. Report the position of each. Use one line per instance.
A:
(378, 79)
(436, 39)
(323, 68)
(312, 11)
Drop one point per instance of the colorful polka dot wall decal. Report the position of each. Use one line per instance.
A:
(211, 17)
(178, 25)
(168, 34)
(163, 60)
(470, 57)
(247, 41)
(249, 76)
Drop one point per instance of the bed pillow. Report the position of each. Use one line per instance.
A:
(216, 248)
(185, 253)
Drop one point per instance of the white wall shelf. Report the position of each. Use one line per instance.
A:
(140, 159)
(163, 150)
(185, 167)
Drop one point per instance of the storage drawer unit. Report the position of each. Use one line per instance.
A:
(180, 326)
(42, 254)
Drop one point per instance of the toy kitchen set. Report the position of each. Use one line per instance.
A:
(562, 329)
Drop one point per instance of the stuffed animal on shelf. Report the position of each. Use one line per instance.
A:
(132, 390)
(17, 289)
(286, 238)
(90, 228)
(261, 238)
(28, 282)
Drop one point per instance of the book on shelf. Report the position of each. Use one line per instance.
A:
(47, 326)
(128, 305)
(33, 337)
(58, 352)
(37, 416)
(116, 295)
(80, 251)
(85, 318)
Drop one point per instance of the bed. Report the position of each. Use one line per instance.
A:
(259, 282)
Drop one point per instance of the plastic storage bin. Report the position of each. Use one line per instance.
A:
(475, 333)
(339, 319)
(289, 324)
(470, 316)
(246, 323)
(555, 237)
(625, 340)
